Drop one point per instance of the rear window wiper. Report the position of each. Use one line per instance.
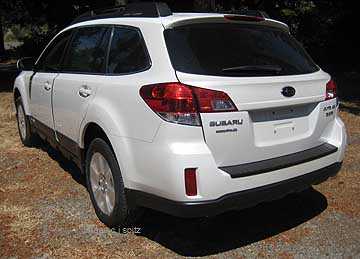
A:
(254, 68)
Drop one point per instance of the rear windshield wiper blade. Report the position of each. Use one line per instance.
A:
(254, 68)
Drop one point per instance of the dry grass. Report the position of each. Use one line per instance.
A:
(8, 130)
(7, 112)
(24, 222)
(45, 212)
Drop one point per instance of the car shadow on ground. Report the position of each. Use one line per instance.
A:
(66, 164)
(204, 237)
(208, 236)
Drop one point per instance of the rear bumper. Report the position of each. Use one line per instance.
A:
(158, 167)
(281, 162)
(232, 201)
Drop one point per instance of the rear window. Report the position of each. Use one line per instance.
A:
(236, 50)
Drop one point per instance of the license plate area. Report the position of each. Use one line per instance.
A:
(281, 125)
(277, 132)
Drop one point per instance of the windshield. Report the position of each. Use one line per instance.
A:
(236, 50)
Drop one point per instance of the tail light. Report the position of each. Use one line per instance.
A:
(330, 90)
(180, 103)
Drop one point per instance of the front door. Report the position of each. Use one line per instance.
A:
(41, 86)
(41, 91)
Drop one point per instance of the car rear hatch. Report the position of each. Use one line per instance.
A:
(274, 84)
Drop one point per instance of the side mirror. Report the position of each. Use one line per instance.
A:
(25, 64)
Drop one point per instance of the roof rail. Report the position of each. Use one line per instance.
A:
(141, 9)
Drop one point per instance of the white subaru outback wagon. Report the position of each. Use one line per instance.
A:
(190, 114)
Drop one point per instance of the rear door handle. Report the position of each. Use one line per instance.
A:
(47, 86)
(84, 91)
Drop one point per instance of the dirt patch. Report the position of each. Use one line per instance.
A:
(45, 212)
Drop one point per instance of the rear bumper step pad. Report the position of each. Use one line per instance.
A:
(277, 163)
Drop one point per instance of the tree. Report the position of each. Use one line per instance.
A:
(315, 23)
(2, 46)
(119, 2)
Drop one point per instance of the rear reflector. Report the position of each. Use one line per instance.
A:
(330, 90)
(244, 18)
(190, 182)
(180, 103)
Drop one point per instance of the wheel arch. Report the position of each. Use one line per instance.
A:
(17, 94)
(91, 131)
(20, 90)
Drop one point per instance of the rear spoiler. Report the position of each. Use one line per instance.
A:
(223, 18)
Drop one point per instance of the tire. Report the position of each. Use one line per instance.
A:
(106, 187)
(27, 137)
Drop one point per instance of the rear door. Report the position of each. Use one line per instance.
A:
(82, 72)
(273, 82)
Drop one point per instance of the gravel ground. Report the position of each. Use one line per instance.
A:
(45, 212)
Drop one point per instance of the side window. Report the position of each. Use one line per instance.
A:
(127, 52)
(50, 61)
(88, 50)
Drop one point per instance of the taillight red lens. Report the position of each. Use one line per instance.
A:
(190, 182)
(213, 101)
(330, 90)
(169, 97)
(180, 103)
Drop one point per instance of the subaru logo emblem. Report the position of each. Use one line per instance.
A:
(288, 91)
